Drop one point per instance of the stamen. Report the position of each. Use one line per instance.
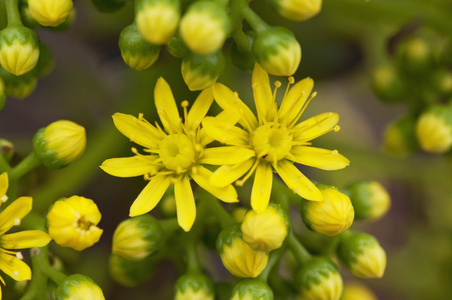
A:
(16, 222)
(16, 274)
(334, 152)
(184, 105)
(248, 175)
(303, 109)
(19, 255)
(336, 128)
(4, 198)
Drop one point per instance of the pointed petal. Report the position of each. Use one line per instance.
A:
(226, 193)
(227, 98)
(225, 132)
(262, 187)
(15, 212)
(166, 106)
(150, 195)
(318, 158)
(14, 267)
(226, 175)
(297, 182)
(138, 131)
(315, 126)
(24, 239)
(295, 100)
(227, 155)
(130, 166)
(262, 92)
(3, 185)
(185, 203)
(200, 108)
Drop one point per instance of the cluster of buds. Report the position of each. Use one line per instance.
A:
(197, 33)
(419, 76)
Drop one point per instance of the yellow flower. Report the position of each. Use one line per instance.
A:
(175, 154)
(50, 12)
(72, 222)
(273, 137)
(11, 261)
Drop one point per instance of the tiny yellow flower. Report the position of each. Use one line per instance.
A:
(237, 256)
(274, 138)
(174, 155)
(194, 287)
(370, 199)
(298, 10)
(11, 261)
(50, 12)
(19, 49)
(331, 216)
(267, 230)
(252, 289)
(434, 129)
(79, 287)
(357, 291)
(73, 222)
(157, 20)
(59, 143)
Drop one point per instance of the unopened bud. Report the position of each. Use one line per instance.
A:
(370, 199)
(387, 83)
(131, 273)
(201, 71)
(79, 287)
(194, 286)
(18, 87)
(297, 10)
(400, 138)
(357, 291)
(415, 55)
(177, 47)
(50, 12)
(434, 129)
(252, 289)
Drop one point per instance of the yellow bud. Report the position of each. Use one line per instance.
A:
(79, 287)
(370, 199)
(267, 230)
(237, 256)
(157, 20)
(331, 216)
(59, 144)
(239, 214)
(434, 129)
(252, 289)
(194, 287)
(357, 291)
(50, 12)
(72, 222)
(298, 10)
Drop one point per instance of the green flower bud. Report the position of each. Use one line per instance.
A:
(399, 137)
(201, 71)
(331, 216)
(2, 94)
(204, 27)
(19, 49)
(357, 291)
(252, 289)
(194, 286)
(415, 55)
(136, 52)
(18, 87)
(319, 279)
(6, 149)
(79, 287)
(131, 273)
(59, 144)
(434, 129)
(138, 237)
(297, 10)
(266, 231)
(370, 199)
(176, 46)
(242, 55)
(167, 206)
(388, 84)
(237, 256)
(157, 20)
(50, 12)
(277, 51)
(442, 82)
(108, 6)
(363, 255)
(238, 214)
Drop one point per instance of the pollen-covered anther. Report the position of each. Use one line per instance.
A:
(336, 128)
(16, 222)
(15, 274)
(4, 198)
(291, 80)
(19, 255)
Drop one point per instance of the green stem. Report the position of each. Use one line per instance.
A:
(4, 165)
(26, 165)
(169, 226)
(192, 259)
(38, 284)
(43, 261)
(223, 217)
(274, 258)
(253, 19)
(240, 38)
(299, 251)
(12, 12)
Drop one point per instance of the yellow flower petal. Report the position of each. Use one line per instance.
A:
(225, 193)
(297, 182)
(24, 239)
(224, 132)
(130, 166)
(166, 106)
(263, 97)
(318, 158)
(295, 99)
(150, 195)
(315, 126)
(227, 98)
(3, 185)
(138, 131)
(226, 175)
(14, 267)
(227, 155)
(200, 108)
(185, 203)
(15, 212)
(262, 187)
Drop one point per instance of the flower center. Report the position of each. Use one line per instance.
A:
(272, 141)
(177, 152)
(83, 224)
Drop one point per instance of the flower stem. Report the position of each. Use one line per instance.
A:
(299, 251)
(192, 259)
(26, 165)
(274, 258)
(42, 259)
(4, 165)
(169, 226)
(252, 18)
(12, 12)
(38, 283)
